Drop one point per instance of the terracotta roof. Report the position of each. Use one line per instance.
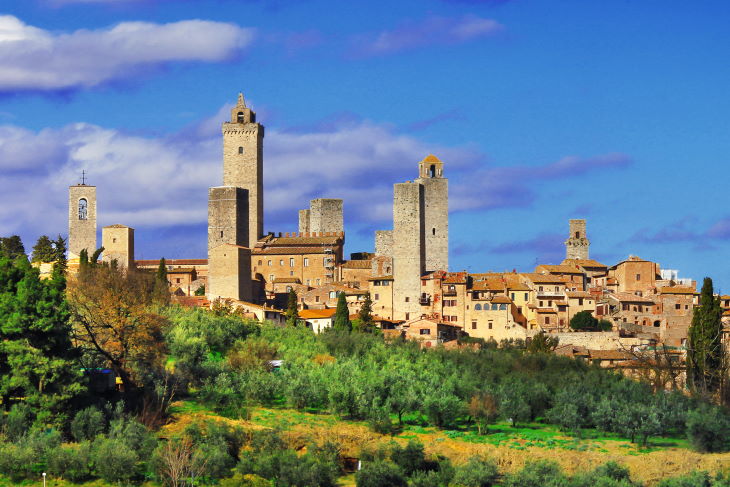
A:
(142, 263)
(501, 299)
(287, 280)
(579, 294)
(312, 314)
(289, 251)
(455, 278)
(381, 278)
(191, 301)
(609, 355)
(181, 270)
(564, 269)
(677, 290)
(357, 264)
(431, 158)
(489, 284)
(300, 241)
(585, 263)
(546, 311)
(561, 303)
(571, 350)
(630, 298)
(540, 278)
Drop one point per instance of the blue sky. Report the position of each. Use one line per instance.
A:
(542, 111)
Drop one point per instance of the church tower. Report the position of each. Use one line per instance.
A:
(576, 247)
(243, 151)
(81, 219)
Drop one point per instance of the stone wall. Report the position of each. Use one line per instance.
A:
(436, 223)
(325, 215)
(227, 217)
(609, 340)
(384, 243)
(81, 232)
(408, 249)
(118, 243)
(304, 221)
(229, 274)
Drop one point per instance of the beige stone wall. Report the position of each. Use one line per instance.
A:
(577, 245)
(384, 243)
(436, 223)
(118, 243)
(408, 249)
(594, 340)
(230, 273)
(304, 221)
(381, 292)
(635, 276)
(81, 232)
(308, 268)
(227, 216)
(325, 215)
(491, 324)
(243, 165)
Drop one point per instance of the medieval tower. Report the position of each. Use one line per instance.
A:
(81, 220)
(576, 247)
(243, 155)
(420, 241)
(118, 243)
(323, 215)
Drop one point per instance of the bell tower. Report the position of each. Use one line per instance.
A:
(243, 151)
(81, 219)
(577, 245)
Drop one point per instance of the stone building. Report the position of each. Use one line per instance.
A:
(420, 234)
(324, 215)
(577, 245)
(118, 243)
(243, 156)
(81, 220)
(635, 275)
(229, 273)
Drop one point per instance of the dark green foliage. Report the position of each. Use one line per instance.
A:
(476, 473)
(443, 408)
(585, 321)
(87, 424)
(17, 422)
(705, 352)
(292, 310)
(542, 343)
(708, 429)
(12, 247)
(162, 286)
(43, 250)
(380, 474)
(694, 479)
(342, 314)
(540, 473)
(200, 291)
(410, 458)
(365, 315)
(115, 461)
(71, 462)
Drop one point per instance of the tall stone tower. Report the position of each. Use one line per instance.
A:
(243, 154)
(227, 217)
(323, 215)
(435, 213)
(577, 245)
(420, 238)
(81, 220)
(118, 243)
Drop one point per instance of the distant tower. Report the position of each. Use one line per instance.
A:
(576, 247)
(304, 221)
(243, 152)
(435, 213)
(325, 215)
(118, 243)
(81, 219)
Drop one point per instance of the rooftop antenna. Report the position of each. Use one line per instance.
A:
(83, 178)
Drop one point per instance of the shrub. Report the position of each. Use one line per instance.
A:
(18, 421)
(410, 458)
(708, 429)
(18, 461)
(694, 479)
(288, 469)
(476, 473)
(442, 408)
(71, 462)
(114, 460)
(541, 473)
(248, 480)
(87, 424)
(426, 479)
(380, 474)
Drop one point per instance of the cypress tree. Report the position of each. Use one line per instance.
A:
(162, 286)
(366, 314)
(705, 353)
(342, 315)
(292, 313)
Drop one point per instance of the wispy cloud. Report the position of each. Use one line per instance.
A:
(683, 231)
(33, 59)
(427, 32)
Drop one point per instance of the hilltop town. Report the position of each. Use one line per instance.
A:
(414, 293)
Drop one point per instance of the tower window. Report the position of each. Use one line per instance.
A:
(577, 234)
(221, 233)
(239, 117)
(433, 231)
(83, 209)
(240, 150)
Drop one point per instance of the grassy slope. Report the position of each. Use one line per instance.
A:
(510, 447)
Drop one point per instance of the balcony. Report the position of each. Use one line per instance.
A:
(424, 300)
(552, 294)
(449, 292)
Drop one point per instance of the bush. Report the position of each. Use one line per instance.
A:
(476, 473)
(380, 474)
(18, 421)
(87, 424)
(288, 469)
(708, 429)
(114, 460)
(426, 479)
(18, 461)
(541, 473)
(248, 480)
(442, 408)
(410, 458)
(694, 479)
(71, 462)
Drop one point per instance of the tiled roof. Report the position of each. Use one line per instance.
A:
(144, 263)
(455, 278)
(381, 278)
(546, 311)
(501, 299)
(677, 290)
(431, 158)
(541, 278)
(588, 263)
(579, 294)
(287, 280)
(191, 301)
(609, 355)
(312, 314)
(630, 298)
(357, 264)
(489, 284)
(565, 269)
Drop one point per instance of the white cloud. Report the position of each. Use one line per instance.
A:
(38, 60)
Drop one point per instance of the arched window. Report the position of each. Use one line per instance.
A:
(657, 323)
(495, 306)
(477, 307)
(240, 150)
(503, 307)
(432, 171)
(83, 209)
(239, 117)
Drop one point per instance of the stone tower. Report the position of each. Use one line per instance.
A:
(118, 243)
(243, 153)
(420, 239)
(325, 215)
(81, 220)
(436, 213)
(303, 221)
(229, 273)
(576, 247)
(227, 216)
